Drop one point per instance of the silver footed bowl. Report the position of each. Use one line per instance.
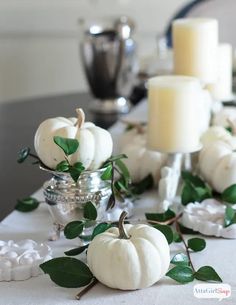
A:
(66, 198)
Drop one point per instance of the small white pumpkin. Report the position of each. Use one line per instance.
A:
(217, 164)
(95, 143)
(218, 133)
(141, 161)
(129, 258)
(224, 117)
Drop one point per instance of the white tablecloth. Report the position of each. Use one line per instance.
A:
(40, 290)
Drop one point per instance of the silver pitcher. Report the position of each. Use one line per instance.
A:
(108, 53)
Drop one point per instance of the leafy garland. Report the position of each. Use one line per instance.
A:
(71, 272)
(115, 171)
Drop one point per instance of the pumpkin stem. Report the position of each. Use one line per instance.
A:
(81, 117)
(122, 233)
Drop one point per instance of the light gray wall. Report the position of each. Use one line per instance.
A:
(39, 40)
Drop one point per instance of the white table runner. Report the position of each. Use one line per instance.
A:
(35, 225)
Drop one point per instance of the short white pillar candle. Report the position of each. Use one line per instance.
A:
(222, 89)
(195, 43)
(173, 115)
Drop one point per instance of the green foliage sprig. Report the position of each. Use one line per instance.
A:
(69, 147)
(28, 204)
(183, 271)
(196, 190)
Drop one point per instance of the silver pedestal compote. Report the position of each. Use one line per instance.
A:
(66, 199)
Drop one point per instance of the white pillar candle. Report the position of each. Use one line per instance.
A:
(222, 89)
(173, 116)
(195, 43)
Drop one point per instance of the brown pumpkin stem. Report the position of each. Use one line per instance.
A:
(81, 117)
(122, 233)
(86, 289)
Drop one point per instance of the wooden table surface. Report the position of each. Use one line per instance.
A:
(18, 123)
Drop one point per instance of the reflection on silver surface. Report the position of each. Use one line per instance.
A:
(66, 199)
(108, 53)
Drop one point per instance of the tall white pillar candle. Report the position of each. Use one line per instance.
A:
(173, 116)
(222, 89)
(195, 43)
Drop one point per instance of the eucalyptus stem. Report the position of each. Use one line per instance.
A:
(112, 183)
(86, 289)
(39, 161)
(122, 233)
(116, 169)
(34, 156)
(167, 222)
(185, 245)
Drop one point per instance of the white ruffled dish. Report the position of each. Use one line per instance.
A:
(20, 260)
(207, 218)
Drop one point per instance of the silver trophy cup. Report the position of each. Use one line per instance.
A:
(108, 54)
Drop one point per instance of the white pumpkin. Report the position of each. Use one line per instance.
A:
(224, 117)
(128, 264)
(217, 164)
(218, 133)
(95, 143)
(141, 161)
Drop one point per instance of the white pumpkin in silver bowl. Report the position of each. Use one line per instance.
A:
(95, 143)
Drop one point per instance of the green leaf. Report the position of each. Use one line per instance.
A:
(177, 238)
(193, 179)
(191, 193)
(67, 272)
(186, 230)
(124, 171)
(90, 211)
(63, 166)
(229, 129)
(118, 157)
(181, 274)
(73, 229)
(23, 154)
(27, 204)
(166, 230)
(230, 216)
(86, 238)
(180, 259)
(75, 172)
(120, 186)
(100, 228)
(203, 193)
(207, 274)
(145, 184)
(69, 146)
(160, 217)
(229, 195)
(79, 166)
(188, 194)
(76, 251)
(196, 244)
(107, 174)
